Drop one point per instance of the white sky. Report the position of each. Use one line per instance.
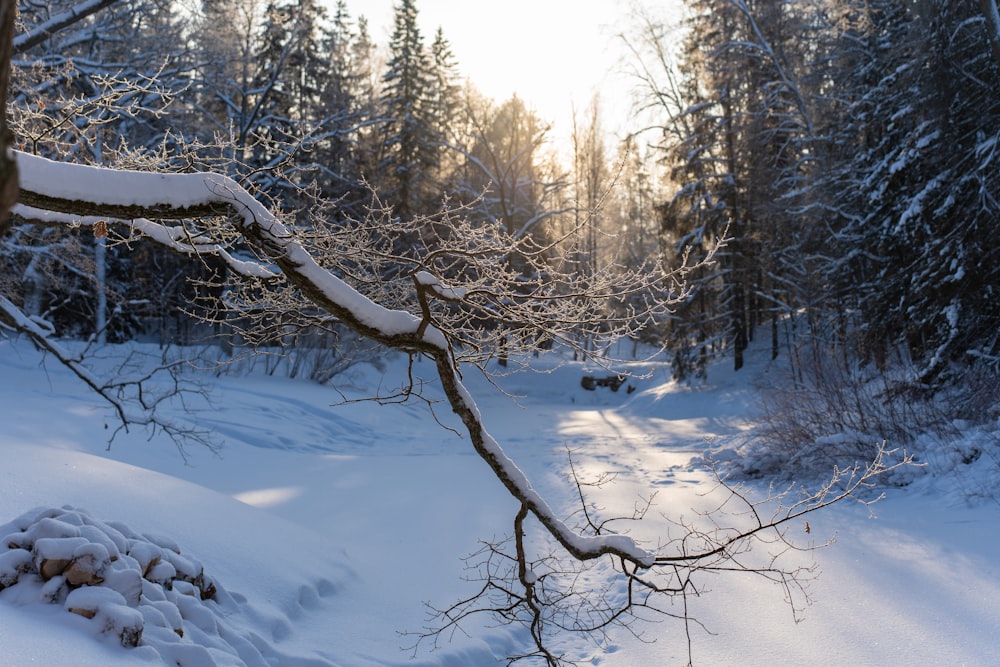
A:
(553, 53)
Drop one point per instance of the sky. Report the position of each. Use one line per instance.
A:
(554, 54)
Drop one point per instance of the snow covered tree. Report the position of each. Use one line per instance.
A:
(633, 217)
(295, 80)
(748, 130)
(591, 181)
(366, 87)
(444, 103)
(412, 134)
(226, 100)
(111, 69)
(921, 211)
(693, 217)
(842, 147)
(346, 106)
(506, 182)
(503, 174)
(724, 64)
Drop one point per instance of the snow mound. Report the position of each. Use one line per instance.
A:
(132, 589)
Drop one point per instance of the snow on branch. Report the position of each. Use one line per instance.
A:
(177, 239)
(84, 190)
(130, 195)
(41, 32)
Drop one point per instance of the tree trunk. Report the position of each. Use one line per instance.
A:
(8, 167)
(992, 16)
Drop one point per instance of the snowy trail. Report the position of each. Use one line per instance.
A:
(918, 585)
(915, 586)
(382, 502)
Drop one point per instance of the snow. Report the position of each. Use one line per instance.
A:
(446, 292)
(325, 528)
(916, 204)
(78, 182)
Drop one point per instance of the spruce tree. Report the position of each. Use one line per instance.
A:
(924, 209)
(410, 140)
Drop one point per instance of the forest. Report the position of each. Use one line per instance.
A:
(841, 149)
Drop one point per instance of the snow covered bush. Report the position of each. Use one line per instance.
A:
(834, 411)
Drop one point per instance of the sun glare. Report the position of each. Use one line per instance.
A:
(553, 54)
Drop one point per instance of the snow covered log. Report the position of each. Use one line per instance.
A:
(106, 573)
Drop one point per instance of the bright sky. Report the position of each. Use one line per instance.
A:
(553, 53)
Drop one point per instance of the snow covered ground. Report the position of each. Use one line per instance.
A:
(325, 529)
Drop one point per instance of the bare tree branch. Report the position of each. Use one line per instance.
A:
(546, 593)
(64, 188)
(124, 394)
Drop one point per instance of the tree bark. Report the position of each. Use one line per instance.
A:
(8, 167)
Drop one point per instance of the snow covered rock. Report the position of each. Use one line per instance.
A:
(109, 611)
(13, 563)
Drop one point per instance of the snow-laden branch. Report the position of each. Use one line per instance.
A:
(177, 239)
(41, 32)
(83, 190)
(129, 195)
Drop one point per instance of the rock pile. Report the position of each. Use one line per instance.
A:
(103, 571)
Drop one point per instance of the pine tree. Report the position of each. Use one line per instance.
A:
(346, 142)
(924, 209)
(444, 102)
(743, 151)
(292, 78)
(712, 201)
(410, 140)
(365, 85)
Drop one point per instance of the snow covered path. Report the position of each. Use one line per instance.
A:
(334, 525)
(917, 585)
